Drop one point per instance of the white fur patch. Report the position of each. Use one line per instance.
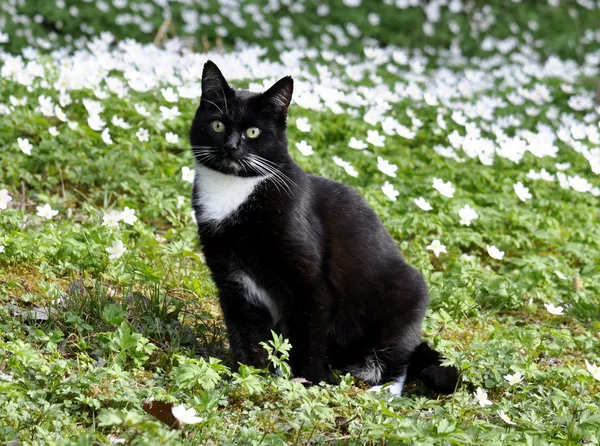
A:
(370, 371)
(395, 388)
(256, 295)
(220, 195)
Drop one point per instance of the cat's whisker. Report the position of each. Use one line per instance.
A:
(275, 166)
(274, 174)
(274, 171)
(224, 98)
(211, 102)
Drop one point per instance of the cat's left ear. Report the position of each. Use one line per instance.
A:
(279, 96)
(214, 86)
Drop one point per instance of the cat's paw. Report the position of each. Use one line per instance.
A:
(321, 375)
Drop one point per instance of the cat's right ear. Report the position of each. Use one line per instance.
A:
(214, 86)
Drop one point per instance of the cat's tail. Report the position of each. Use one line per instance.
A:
(425, 364)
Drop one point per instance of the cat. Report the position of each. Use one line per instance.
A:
(301, 254)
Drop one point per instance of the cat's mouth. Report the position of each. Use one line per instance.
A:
(223, 164)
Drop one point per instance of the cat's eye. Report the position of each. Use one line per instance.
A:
(253, 132)
(218, 126)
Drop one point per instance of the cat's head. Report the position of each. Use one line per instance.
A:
(237, 132)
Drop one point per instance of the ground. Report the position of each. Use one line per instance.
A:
(472, 128)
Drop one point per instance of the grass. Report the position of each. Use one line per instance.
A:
(85, 339)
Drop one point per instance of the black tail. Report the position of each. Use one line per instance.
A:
(425, 365)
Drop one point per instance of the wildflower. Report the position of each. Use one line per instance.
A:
(60, 114)
(169, 94)
(46, 212)
(467, 257)
(186, 416)
(169, 113)
(554, 310)
(436, 247)
(304, 148)
(482, 397)
(514, 379)
(522, 191)
(1, 249)
(446, 189)
(143, 135)
(53, 131)
(142, 110)
(350, 170)
(505, 417)
(172, 138)
(494, 252)
(389, 191)
(24, 145)
(385, 167)
(423, 204)
(5, 198)
(111, 219)
(116, 250)
(73, 125)
(303, 125)
(95, 122)
(405, 132)
(357, 144)
(374, 138)
(128, 216)
(120, 122)
(467, 214)
(593, 369)
(187, 174)
(106, 137)
(180, 201)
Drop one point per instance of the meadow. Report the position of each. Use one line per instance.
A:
(472, 128)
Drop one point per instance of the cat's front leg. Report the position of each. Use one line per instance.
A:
(247, 325)
(308, 336)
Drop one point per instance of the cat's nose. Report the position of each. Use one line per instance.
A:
(232, 145)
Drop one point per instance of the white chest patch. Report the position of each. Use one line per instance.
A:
(221, 195)
(256, 295)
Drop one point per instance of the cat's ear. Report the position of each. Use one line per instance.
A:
(214, 86)
(279, 96)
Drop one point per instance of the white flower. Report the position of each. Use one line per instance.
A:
(1, 248)
(385, 167)
(95, 122)
(304, 148)
(467, 214)
(53, 131)
(357, 144)
(405, 132)
(554, 310)
(46, 211)
(169, 94)
(389, 191)
(446, 189)
(73, 125)
(423, 204)
(467, 257)
(522, 191)
(436, 247)
(111, 219)
(505, 417)
(593, 369)
(187, 174)
(186, 416)
(303, 125)
(24, 145)
(5, 198)
(143, 134)
(142, 110)
(128, 216)
(346, 165)
(172, 138)
(106, 137)
(116, 250)
(494, 252)
(169, 113)
(482, 397)
(514, 379)
(180, 201)
(374, 138)
(120, 122)
(60, 114)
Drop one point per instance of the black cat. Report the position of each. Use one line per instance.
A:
(301, 254)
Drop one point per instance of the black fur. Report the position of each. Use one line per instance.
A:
(342, 292)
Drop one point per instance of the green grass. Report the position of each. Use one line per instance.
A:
(85, 340)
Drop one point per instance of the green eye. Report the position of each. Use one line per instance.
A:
(218, 126)
(253, 132)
